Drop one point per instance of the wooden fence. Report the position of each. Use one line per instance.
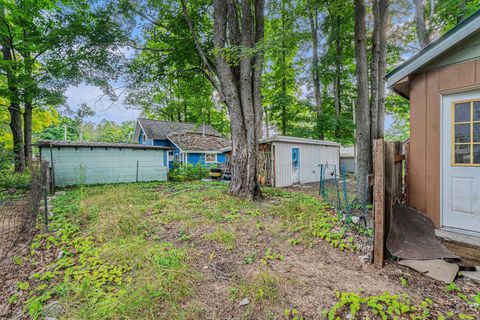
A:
(389, 186)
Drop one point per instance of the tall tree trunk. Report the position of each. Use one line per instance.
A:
(238, 85)
(313, 17)
(30, 91)
(338, 73)
(27, 132)
(382, 64)
(364, 142)
(13, 96)
(423, 34)
(374, 76)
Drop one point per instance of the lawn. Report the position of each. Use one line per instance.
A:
(190, 251)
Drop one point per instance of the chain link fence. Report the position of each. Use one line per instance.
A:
(21, 195)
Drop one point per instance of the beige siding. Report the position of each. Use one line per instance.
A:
(310, 156)
(425, 92)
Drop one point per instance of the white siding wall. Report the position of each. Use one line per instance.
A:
(310, 156)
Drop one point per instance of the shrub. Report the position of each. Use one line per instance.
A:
(188, 172)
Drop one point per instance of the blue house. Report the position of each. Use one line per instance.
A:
(192, 143)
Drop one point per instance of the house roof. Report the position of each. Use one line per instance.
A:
(451, 38)
(192, 141)
(156, 129)
(87, 144)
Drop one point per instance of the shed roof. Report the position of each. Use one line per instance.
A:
(451, 38)
(278, 138)
(156, 129)
(189, 141)
(87, 144)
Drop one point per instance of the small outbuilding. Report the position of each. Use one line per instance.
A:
(76, 162)
(285, 161)
(442, 82)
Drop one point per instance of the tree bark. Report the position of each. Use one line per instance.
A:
(13, 96)
(374, 75)
(27, 131)
(423, 34)
(313, 17)
(30, 90)
(364, 142)
(382, 65)
(238, 84)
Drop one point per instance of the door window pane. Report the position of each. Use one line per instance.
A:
(462, 153)
(476, 153)
(462, 112)
(476, 132)
(476, 111)
(462, 133)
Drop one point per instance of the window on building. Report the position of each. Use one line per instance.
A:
(466, 133)
(210, 157)
(144, 138)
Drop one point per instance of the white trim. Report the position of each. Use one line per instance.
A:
(144, 138)
(210, 153)
(203, 151)
(173, 144)
(134, 133)
(434, 50)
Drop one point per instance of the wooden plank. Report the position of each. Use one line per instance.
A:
(379, 203)
(457, 76)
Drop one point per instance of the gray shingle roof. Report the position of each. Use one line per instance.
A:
(156, 129)
(197, 142)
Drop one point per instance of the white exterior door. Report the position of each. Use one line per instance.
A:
(460, 147)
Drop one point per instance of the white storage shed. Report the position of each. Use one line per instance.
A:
(290, 160)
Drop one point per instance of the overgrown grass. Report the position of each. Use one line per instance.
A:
(115, 266)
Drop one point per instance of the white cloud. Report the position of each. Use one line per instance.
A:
(103, 106)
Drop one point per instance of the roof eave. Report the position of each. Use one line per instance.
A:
(435, 49)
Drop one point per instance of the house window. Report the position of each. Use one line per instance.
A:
(210, 157)
(177, 157)
(144, 138)
(466, 133)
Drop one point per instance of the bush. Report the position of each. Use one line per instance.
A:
(181, 172)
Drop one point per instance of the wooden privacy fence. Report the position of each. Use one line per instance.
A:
(389, 186)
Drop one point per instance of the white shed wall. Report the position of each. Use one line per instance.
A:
(310, 156)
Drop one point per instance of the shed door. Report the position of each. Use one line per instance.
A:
(295, 165)
(461, 160)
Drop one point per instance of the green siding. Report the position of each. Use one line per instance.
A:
(468, 49)
(105, 165)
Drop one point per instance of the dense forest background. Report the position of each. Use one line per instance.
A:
(308, 82)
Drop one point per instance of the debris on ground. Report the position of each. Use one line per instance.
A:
(412, 236)
(436, 269)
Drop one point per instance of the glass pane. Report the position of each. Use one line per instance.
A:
(476, 132)
(462, 133)
(476, 111)
(462, 112)
(462, 153)
(476, 153)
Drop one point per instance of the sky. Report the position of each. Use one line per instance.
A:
(103, 106)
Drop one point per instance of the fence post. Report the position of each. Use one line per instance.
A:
(136, 177)
(379, 202)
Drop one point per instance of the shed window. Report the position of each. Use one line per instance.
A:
(144, 138)
(466, 133)
(210, 157)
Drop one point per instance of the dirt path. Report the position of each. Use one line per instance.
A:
(305, 277)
